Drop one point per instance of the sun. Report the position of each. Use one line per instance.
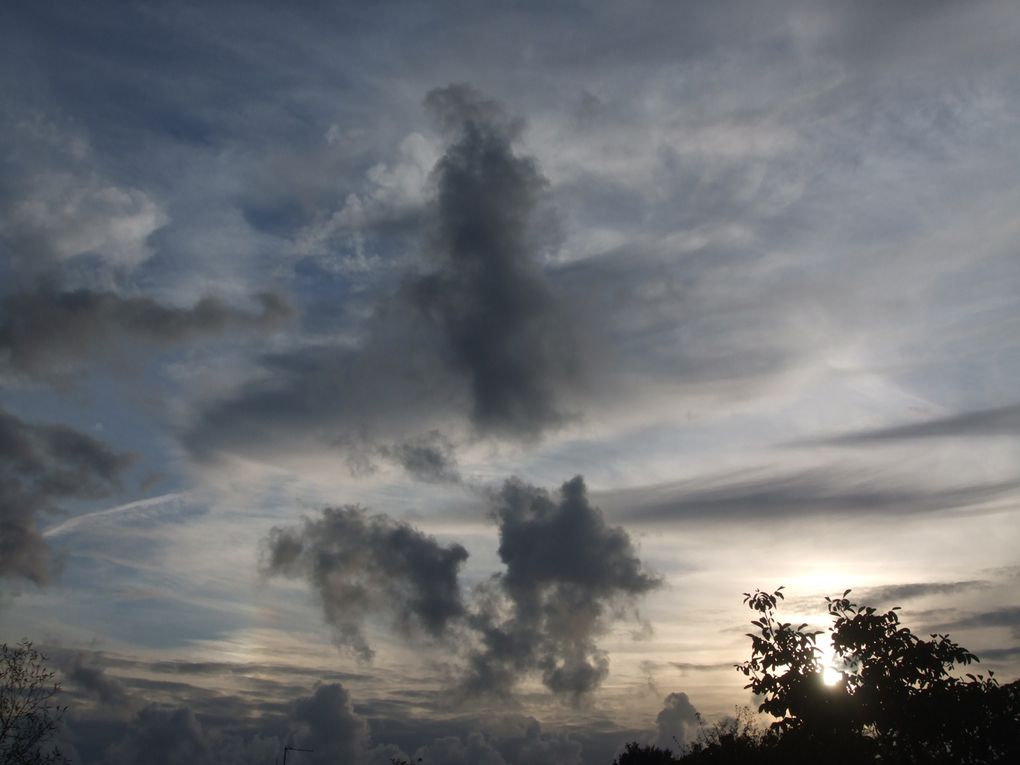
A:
(827, 658)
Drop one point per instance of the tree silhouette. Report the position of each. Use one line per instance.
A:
(29, 717)
(900, 698)
(641, 754)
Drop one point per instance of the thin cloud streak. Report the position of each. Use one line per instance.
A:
(768, 496)
(979, 423)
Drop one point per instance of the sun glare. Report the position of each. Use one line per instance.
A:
(830, 675)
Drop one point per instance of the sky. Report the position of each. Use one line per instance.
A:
(433, 379)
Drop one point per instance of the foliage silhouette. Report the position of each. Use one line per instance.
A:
(899, 697)
(640, 754)
(29, 716)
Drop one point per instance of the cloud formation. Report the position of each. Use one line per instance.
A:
(361, 564)
(430, 457)
(473, 335)
(40, 465)
(752, 494)
(997, 421)
(452, 750)
(46, 330)
(896, 592)
(677, 723)
(93, 679)
(329, 726)
(568, 575)
(499, 319)
(164, 735)
(1008, 616)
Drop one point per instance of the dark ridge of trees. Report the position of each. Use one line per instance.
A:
(899, 698)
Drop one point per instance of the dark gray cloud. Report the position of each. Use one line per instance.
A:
(897, 592)
(265, 710)
(46, 330)
(474, 332)
(196, 724)
(93, 679)
(430, 457)
(329, 726)
(1007, 616)
(1000, 654)
(39, 466)
(499, 319)
(537, 748)
(568, 575)
(452, 750)
(163, 737)
(360, 564)
(677, 723)
(816, 491)
(998, 421)
(689, 666)
(175, 736)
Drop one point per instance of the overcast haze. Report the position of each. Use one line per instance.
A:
(431, 379)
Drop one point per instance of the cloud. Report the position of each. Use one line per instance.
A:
(474, 334)
(330, 727)
(998, 421)
(1000, 654)
(430, 458)
(94, 680)
(541, 749)
(57, 205)
(175, 736)
(46, 330)
(677, 723)
(688, 666)
(360, 564)
(1008, 616)
(568, 575)
(898, 592)
(499, 319)
(163, 737)
(211, 725)
(39, 465)
(452, 750)
(755, 494)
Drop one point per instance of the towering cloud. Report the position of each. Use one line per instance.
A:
(567, 575)
(329, 726)
(500, 322)
(677, 723)
(451, 750)
(360, 564)
(39, 465)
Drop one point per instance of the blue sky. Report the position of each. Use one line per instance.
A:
(310, 316)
